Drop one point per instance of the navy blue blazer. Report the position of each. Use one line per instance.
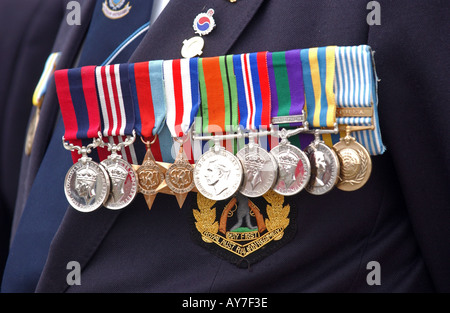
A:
(400, 218)
(30, 28)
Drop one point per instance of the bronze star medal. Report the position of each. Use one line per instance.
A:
(150, 176)
(179, 178)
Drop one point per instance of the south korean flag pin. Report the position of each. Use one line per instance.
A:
(203, 24)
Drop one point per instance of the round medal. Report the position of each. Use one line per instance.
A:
(123, 183)
(355, 162)
(294, 169)
(86, 186)
(260, 171)
(179, 177)
(324, 168)
(218, 174)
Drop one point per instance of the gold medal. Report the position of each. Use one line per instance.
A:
(355, 162)
(150, 176)
(179, 177)
(38, 98)
(31, 132)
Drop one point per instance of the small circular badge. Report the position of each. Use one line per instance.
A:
(204, 23)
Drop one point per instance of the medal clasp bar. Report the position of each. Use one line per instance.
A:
(320, 131)
(299, 118)
(355, 112)
(115, 148)
(348, 129)
(284, 133)
(83, 150)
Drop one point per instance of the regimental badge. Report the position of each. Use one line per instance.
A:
(242, 229)
(115, 9)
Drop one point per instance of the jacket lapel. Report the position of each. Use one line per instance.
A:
(80, 234)
(165, 37)
(68, 42)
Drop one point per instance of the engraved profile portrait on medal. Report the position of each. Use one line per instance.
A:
(118, 177)
(319, 168)
(85, 184)
(254, 165)
(325, 168)
(241, 228)
(216, 175)
(287, 163)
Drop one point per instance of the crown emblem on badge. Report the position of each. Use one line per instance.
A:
(254, 161)
(117, 173)
(87, 175)
(288, 159)
(115, 9)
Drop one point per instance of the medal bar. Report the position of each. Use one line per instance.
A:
(253, 99)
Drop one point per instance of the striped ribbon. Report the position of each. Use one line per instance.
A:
(49, 69)
(356, 87)
(287, 90)
(215, 97)
(181, 82)
(116, 107)
(254, 94)
(147, 91)
(219, 94)
(77, 96)
(182, 94)
(243, 90)
(115, 100)
(286, 83)
(318, 74)
(252, 80)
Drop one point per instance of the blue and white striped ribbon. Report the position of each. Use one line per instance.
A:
(356, 87)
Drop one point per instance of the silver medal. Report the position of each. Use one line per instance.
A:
(124, 180)
(86, 185)
(218, 174)
(124, 183)
(324, 168)
(294, 169)
(260, 170)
